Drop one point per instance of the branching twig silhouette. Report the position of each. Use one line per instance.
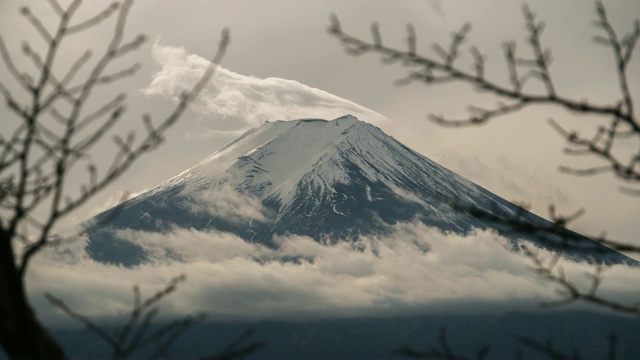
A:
(54, 131)
(136, 334)
(623, 123)
(443, 68)
(570, 292)
(239, 348)
(565, 239)
(442, 351)
(619, 121)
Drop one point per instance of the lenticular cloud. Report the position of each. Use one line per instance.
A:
(244, 100)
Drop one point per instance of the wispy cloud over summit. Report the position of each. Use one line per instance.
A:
(245, 100)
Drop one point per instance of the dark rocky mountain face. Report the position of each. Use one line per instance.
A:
(329, 180)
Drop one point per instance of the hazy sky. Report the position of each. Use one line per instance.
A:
(282, 64)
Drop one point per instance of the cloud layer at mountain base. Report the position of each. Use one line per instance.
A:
(415, 270)
(235, 101)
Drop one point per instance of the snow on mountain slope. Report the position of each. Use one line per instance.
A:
(330, 180)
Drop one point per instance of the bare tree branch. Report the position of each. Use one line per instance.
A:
(619, 122)
(440, 68)
(55, 5)
(239, 348)
(20, 77)
(37, 24)
(622, 56)
(88, 323)
(571, 292)
(134, 336)
(97, 19)
(357, 46)
(54, 130)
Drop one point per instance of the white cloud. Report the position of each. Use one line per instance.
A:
(236, 101)
(224, 201)
(231, 279)
(189, 245)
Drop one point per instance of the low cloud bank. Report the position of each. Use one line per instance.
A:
(415, 270)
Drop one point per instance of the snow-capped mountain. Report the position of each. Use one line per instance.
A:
(330, 180)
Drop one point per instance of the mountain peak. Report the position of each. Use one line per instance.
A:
(285, 152)
(343, 121)
(336, 179)
(348, 117)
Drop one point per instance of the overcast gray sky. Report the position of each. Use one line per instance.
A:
(282, 64)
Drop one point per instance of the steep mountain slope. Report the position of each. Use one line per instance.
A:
(330, 180)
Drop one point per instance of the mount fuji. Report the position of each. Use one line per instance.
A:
(332, 181)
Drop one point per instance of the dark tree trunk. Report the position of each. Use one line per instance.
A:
(21, 334)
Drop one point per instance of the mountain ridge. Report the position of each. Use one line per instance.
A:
(334, 180)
